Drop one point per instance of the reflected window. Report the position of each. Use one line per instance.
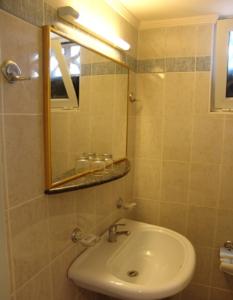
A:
(71, 53)
(229, 86)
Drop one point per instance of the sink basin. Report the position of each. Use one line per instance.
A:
(151, 263)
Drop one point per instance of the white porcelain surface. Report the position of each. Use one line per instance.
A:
(164, 259)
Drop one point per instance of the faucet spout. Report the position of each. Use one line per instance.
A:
(113, 233)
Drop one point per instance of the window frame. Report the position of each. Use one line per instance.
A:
(221, 102)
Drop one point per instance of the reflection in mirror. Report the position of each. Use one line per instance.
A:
(87, 111)
(64, 72)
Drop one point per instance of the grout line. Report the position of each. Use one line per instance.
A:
(6, 202)
(26, 202)
(22, 114)
(190, 155)
(162, 140)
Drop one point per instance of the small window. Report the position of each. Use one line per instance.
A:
(223, 66)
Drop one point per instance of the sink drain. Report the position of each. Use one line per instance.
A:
(132, 273)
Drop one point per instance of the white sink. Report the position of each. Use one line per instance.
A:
(164, 262)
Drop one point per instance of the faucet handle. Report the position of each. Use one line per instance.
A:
(114, 226)
(228, 245)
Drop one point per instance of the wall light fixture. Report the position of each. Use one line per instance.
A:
(70, 15)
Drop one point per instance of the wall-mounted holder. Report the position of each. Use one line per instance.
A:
(132, 98)
(126, 205)
(87, 240)
(12, 72)
(226, 258)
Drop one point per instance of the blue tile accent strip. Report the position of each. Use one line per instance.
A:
(85, 69)
(151, 66)
(105, 68)
(174, 64)
(180, 64)
(203, 63)
(30, 11)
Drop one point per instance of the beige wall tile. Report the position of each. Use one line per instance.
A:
(151, 43)
(225, 201)
(29, 227)
(85, 205)
(79, 131)
(147, 179)
(201, 226)
(105, 204)
(204, 185)
(131, 132)
(202, 93)
(204, 257)
(150, 90)
(204, 39)
(148, 135)
(179, 94)
(195, 292)
(181, 41)
(207, 134)
(85, 94)
(175, 181)
(39, 288)
(228, 142)
(173, 216)
(62, 287)
(102, 87)
(119, 138)
(25, 49)
(217, 294)
(9, 254)
(224, 227)
(177, 139)
(147, 211)
(62, 221)
(101, 134)
(24, 154)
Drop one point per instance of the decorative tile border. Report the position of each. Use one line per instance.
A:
(30, 11)
(203, 63)
(180, 64)
(151, 66)
(104, 68)
(174, 64)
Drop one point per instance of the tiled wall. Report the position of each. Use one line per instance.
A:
(183, 166)
(39, 226)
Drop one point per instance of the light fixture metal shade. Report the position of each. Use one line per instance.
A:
(68, 13)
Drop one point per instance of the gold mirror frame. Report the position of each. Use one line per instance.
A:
(50, 185)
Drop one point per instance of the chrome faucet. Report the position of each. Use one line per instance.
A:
(113, 233)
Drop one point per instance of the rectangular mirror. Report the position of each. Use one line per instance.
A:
(85, 97)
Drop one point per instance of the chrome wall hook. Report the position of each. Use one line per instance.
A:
(132, 98)
(12, 72)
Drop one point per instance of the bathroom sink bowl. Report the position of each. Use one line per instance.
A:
(151, 263)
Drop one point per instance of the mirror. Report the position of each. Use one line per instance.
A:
(85, 97)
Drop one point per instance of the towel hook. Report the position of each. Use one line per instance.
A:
(12, 72)
(132, 98)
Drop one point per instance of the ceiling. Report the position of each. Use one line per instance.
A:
(145, 10)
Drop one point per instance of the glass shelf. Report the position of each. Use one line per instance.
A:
(119, 170)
